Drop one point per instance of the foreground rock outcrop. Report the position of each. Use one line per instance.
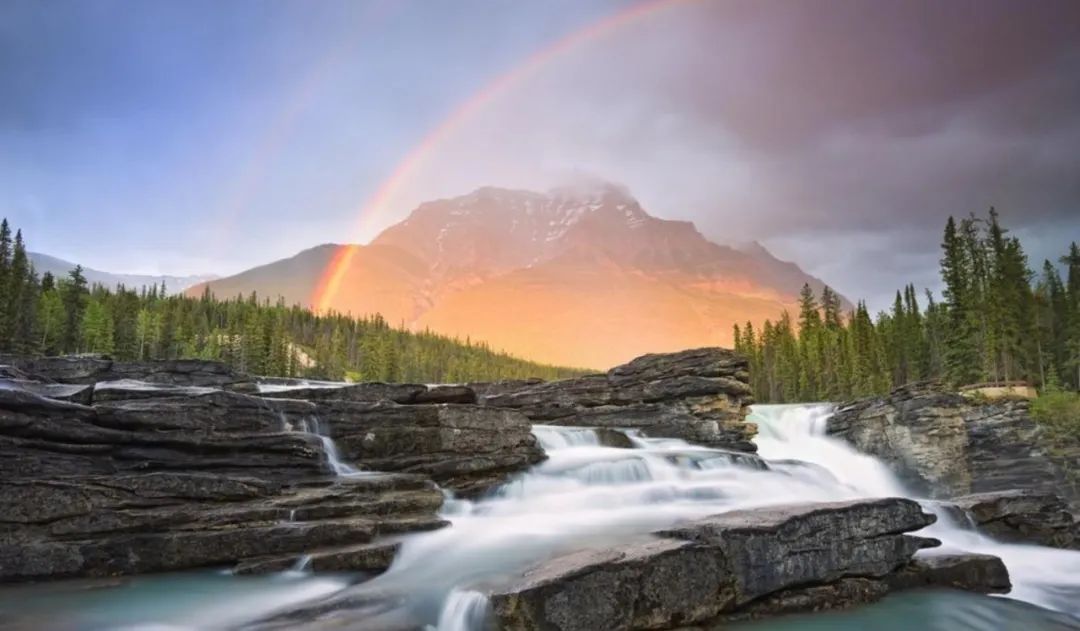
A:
(126, 476)
(1020, 516)
(942, 444)
(702, 574)
(700, 395)
(157, 485)
(737, 565)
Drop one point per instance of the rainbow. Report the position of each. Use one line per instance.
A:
(329, 283)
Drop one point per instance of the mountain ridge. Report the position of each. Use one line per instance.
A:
(173, 284)
(581, 276)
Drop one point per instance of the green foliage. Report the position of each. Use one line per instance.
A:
(1058, 411)
(56, 316)
(997, 322)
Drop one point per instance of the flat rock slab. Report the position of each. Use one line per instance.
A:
(704, 570)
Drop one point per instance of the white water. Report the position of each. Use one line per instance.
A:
(584, 494)
(587, 494)
(312, 426)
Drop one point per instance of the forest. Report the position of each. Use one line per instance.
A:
(996, 321)
(52, 316)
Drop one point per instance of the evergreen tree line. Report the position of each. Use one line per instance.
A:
(997, 321)
(53, 316)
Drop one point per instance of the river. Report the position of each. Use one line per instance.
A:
(586, 494)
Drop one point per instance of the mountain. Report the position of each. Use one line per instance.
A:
(60, 268)
(579, 276)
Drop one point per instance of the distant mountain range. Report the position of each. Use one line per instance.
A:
(60, 268)
(576, 276)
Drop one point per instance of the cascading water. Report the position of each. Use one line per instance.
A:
(587, 493)
(1043, 576)
(312, 426)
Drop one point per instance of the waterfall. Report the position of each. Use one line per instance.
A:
(1043, 576)
(586, 494)
(311, 425)
(465, 610)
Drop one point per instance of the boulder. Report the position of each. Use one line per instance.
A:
(942, 444)
(700, 395)
(708, 570)
(1021, 516)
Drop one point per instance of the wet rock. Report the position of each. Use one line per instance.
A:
(842, 594)
(363, 392)
(981, 573)
(129, 390)
(700, 395)
(657, 584)
(943, 444)
(1022, 517)
(72, 393)
(373, 558)
(467, 448)
(707, 570)
(372, 392)
(613, 438)
(170, 483)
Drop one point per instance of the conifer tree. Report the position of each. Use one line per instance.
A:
(74, 295)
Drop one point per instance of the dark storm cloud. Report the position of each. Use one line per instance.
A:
(842, 133)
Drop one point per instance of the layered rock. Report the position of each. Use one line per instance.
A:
(1021, 517)
(466, 448)
(943, 444)
(178, 482)
(369, 392)
(736, 565)
(89, 369)
(700, 395)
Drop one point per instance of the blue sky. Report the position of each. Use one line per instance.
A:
(191, 136)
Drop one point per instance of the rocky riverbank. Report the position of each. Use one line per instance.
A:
(110, 468)
(943, 444)
(170, 465)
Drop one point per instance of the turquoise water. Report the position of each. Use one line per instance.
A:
(928, 611)
(585, 491)
(168, 602)
(211, 600)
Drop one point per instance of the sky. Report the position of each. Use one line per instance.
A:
(201, 136)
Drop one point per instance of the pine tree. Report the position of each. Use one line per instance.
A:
(74, 295)
(5, 282)
(21, 289)
(961, 355)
